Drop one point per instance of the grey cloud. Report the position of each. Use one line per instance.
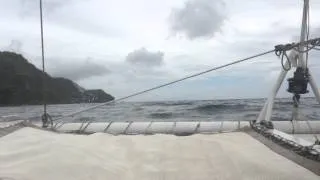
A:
(198, 18)
(144, 57)
(28, 7)
(77, 70)
(31, 7)
(14, 46)
(72, 14)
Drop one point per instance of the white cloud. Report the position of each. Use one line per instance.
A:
(76, 70)
(31, 7)
(14, 46)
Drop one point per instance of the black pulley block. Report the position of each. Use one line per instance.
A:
(299, 83)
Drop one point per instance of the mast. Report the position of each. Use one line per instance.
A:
(304, 29)
(266, 111)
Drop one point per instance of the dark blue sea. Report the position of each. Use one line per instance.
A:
(200, 110)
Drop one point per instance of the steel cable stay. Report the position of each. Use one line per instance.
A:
(280, 50)
(46, 118)
(166, 84)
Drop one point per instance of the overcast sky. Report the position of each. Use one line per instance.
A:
(124, 46)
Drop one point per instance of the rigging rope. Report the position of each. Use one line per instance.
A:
(167, 84)
(314, 43)
(284, 54)
(280, 50)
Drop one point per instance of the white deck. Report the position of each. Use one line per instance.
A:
(36, 155)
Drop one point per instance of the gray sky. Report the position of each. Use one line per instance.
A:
(124, 46)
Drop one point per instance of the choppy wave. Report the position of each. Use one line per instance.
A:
(11, 117)
(137, 109)
(313, 116)
(284, 103)
(247, 109)
(169, 103)
(164, 115)
(208, 108)
(251, 115)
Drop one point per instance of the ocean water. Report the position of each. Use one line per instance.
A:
(200, 110)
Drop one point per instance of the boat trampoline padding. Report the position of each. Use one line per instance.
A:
(30, 153)
(180, 127)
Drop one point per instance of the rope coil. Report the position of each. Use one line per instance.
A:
(281, 50)
(282, 54)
